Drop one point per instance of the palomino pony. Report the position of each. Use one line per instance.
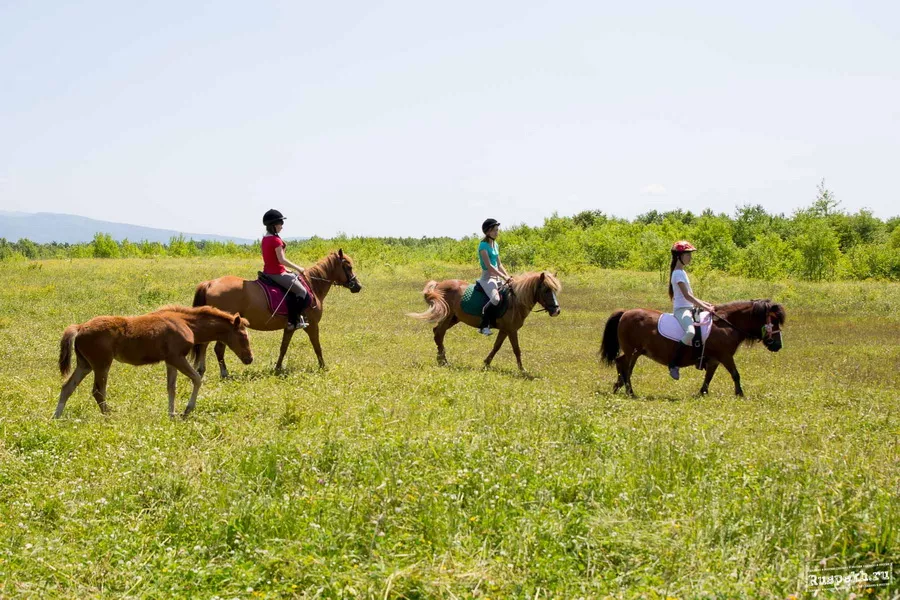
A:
(167, 334)
(234, 294)
(444, 309)
(635, 332)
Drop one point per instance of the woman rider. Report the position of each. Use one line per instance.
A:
(274, 266)
(492, 272)
(683, 299)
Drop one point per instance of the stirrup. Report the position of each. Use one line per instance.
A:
(300, 324)
(674, 374)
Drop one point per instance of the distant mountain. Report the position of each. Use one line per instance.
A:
(72, 229)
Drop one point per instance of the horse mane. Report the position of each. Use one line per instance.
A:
(325, 265)
(758, 310)
(525, 287)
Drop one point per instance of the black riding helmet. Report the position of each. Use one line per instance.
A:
(488, 225)
(272, 216)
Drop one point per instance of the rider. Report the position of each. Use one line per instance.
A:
(274, 263)
(492, 272)
(683, 299)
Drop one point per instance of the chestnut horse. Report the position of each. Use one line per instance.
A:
(635, 332)
(234, 294)
(525, 291)
(167, 334)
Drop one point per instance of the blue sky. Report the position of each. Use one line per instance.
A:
(417, 118)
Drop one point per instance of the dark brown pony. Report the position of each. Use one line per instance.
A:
(167, 334)
(234, 294)
(446, 311)
(635, 332)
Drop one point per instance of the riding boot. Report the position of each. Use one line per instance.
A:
(673, 364)
(293, 306)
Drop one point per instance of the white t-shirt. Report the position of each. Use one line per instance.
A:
(678, 299)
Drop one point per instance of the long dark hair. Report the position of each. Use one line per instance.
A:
(270, 228)
(675, 256)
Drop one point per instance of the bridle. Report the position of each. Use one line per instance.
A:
(349, 275)
(551, 308)
(767, 332)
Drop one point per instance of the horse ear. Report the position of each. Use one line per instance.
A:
(237, 320)
(543, 276)
(341, 252)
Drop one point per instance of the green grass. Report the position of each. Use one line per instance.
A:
(389, 476)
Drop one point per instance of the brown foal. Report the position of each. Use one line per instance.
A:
(167, 334)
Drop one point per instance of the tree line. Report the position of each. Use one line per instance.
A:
(816, 243)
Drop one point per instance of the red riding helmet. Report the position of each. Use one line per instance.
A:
(683, 246)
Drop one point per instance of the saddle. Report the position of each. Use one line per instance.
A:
(474, 298)
(670, 328)
(275, 295)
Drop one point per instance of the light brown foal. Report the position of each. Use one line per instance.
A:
(167, 334)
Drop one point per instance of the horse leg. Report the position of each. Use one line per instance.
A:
(711, 366)
(728, 363)
(501, 337)
(514, 340)
(182, 364)
(82, 368)
(439, 332)
(101, 372)
(621, 362)
(171, 375)
(220, 356)
(629, 368)
(313, 332)
(200, 363)
(285, 342)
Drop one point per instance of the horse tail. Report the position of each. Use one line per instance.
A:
(438, 309)
(65, 349)
(609, 349)
(199, 300)
(200, 293)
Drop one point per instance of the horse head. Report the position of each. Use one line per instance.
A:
(239, 340)
(769, 317)
(545, 294)
(346, 277)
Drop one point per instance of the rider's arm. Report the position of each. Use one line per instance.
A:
(502, 269)
(693, 299)
(491, 269)
(279, 253)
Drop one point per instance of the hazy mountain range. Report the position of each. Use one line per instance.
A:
(43, 228)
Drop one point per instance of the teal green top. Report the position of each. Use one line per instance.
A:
(493, 251)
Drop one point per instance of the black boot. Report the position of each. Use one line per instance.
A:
(487, 317)
(676, 360)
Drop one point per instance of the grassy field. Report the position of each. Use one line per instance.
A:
(389, 476)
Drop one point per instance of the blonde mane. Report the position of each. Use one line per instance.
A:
(525, 287)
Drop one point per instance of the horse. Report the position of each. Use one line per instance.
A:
(445, 309)
(635, 332)
(235, 294)
(167, 334)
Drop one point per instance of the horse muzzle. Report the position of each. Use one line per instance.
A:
(555, 312)
(247, 359)
(772, 345)
(356, 288)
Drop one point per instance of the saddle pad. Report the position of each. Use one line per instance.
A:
(274, 297)
(670, 328)
(474, 299)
